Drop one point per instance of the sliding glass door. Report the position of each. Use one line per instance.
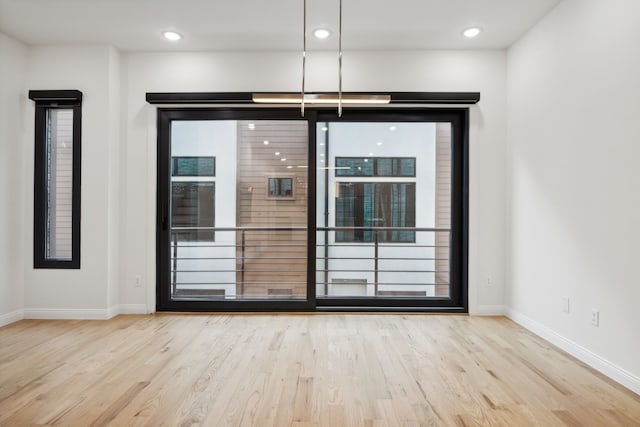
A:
(235, 199)
(267, 210)
(384, 219)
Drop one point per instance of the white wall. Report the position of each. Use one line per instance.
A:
(13, 64)
(482, 71)
(90, 291)
(573, 176)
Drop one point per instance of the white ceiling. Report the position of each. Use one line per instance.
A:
(135, 25)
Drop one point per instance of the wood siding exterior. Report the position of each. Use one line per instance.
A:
(443, 207)
(273, 263)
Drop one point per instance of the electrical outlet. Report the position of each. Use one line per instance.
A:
(489, 281)
(138, 281)
(595, 317)
(565, 304)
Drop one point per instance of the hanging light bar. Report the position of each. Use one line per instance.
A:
(304, 54)
(319, 98)
(340, 61)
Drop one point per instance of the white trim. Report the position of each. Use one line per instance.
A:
(133, 309)
(11, 317)
(71, 313)
(595, 361)
(488, 310)
(113, 311)
(152, 148)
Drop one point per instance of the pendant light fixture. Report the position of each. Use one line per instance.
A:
(316, 98)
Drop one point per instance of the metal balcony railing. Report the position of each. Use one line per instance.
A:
(248, 258)
(427, 255)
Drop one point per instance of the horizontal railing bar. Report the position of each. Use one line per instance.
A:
(234, 283)
(304, 258)
(418, 229)
(238, 271)
(386, 245)
(379, 271)
(238, 258)
(303, 228)
(230, 229)
(240, 246)
(383, 283)
(384, 258)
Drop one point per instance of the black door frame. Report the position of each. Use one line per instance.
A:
(458, 300)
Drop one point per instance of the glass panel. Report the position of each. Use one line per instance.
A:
(59, 175)
(383, 210)
(239, 210)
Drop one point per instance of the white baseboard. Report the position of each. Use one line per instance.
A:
(76, 314)
(113, 311)
(11, 317)
(133, 309)
(71, 313)
(595, 361)
(487, 310)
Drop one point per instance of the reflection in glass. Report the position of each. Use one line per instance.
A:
(237, 231)
(383, 210)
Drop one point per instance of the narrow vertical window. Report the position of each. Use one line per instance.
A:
(57, 179)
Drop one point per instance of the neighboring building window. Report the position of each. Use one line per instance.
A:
(57, 178)
(193, 196)
(376, 166)
(192, 208)
(279, 188)
(375, 204)
(194, 166)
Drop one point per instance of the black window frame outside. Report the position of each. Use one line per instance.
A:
(374, 166)
(46, 100)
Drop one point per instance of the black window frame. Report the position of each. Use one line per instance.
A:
(458, 299)
(458, 117)
(46, 100)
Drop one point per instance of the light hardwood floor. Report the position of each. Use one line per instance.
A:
(298, 370)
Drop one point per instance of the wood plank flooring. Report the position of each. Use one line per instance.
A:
(298, 370)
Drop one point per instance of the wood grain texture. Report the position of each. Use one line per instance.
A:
(298, 370)
(443, 207)
(256, 163)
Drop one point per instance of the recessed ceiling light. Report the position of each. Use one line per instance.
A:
(283, 159)
(321, 33)
(251, 126)
(289, 167)
(265, 142)
(379, 144)
(370, 154)
(471, 32)
(171, 36)
(324, 129)
(277, 153)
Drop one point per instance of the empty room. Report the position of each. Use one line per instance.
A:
(319, 213)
